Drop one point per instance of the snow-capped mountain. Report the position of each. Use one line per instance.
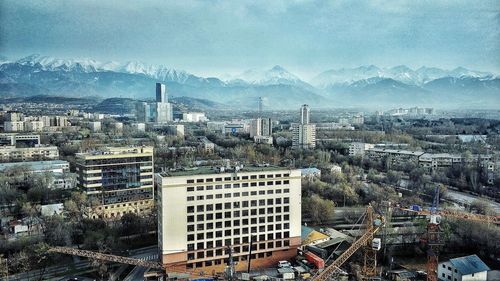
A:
(160, 72)
(399, 73)
(274, 76)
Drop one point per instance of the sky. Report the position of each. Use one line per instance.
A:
(215, 37)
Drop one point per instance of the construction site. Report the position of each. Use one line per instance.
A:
(356, 251)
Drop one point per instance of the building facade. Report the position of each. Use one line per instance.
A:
(201, 213)
(13, 154)
(468, 268)
(304, 133)
(118, 180)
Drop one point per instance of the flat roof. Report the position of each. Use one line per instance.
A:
(206, 170)
(35, 165)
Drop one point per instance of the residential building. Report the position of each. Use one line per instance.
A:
(13, 154)
(468, 268)
(304, 134)
(394, 156)
(13, 126)
(207, 145)
(54, 166)
(194, 117)
(261, 127)
(119, 179)
(359, 148)
(19, 139)
(95, 126)
(263, 140)
(202, 211)
(216, 126)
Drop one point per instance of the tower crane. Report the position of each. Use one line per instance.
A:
(369, 266)
(432, 236)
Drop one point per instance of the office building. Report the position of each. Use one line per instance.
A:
(145, 112)
(201, 212)
(118, 179)
(164, 112)
(304, 133)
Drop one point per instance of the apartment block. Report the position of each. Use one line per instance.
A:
(201, 213)
(13, 154)
(118, 180)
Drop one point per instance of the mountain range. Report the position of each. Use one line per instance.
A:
(364, 86)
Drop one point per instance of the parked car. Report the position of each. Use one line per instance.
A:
(282, 264)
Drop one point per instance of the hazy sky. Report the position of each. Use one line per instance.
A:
(212, 37)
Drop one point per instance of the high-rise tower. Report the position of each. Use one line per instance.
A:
(161, 93)
(304, 114)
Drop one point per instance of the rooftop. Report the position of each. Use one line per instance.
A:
(34, 165)
(205, 170)
(469, 264)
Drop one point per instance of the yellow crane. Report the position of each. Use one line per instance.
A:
(332, 271)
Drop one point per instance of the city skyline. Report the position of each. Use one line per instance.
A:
(306, 37)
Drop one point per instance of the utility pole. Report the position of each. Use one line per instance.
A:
(250, 253)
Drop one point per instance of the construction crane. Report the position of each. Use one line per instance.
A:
(369, 267)
(432, 237)
(121, 259)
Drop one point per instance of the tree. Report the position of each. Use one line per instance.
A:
(482, 207)
(319, 209)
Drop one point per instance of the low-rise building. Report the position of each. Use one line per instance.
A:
(263, 139)
(359, 148)
(395, 156)
(12, 153)
(468, 268)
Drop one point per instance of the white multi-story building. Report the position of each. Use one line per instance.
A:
(359, 148)
(304, 133)
(201, 212)
(468, 268)
(194, 117)
(13, 126)
(261, 127)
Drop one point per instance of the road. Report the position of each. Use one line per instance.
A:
(137, 274)
(461, 197)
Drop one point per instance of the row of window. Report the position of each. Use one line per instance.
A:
(242, 245)
(238, 204)
(236, 185)
(237, 194)
(237, 231)
(235, 223)
(235, 178)
(237, 214)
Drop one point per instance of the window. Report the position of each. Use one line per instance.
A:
(200, 188)
(190, 188)
(218, 186)
(190, 181)
(190, 209)
(210, 187)
(190, 198)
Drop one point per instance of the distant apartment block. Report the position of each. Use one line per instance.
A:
(359, 148)
(194, 117)
(201, 212)
(261, 127)
(118, 179)
(304, 133)
(13, 139)
(14, 154)
(394, 156)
